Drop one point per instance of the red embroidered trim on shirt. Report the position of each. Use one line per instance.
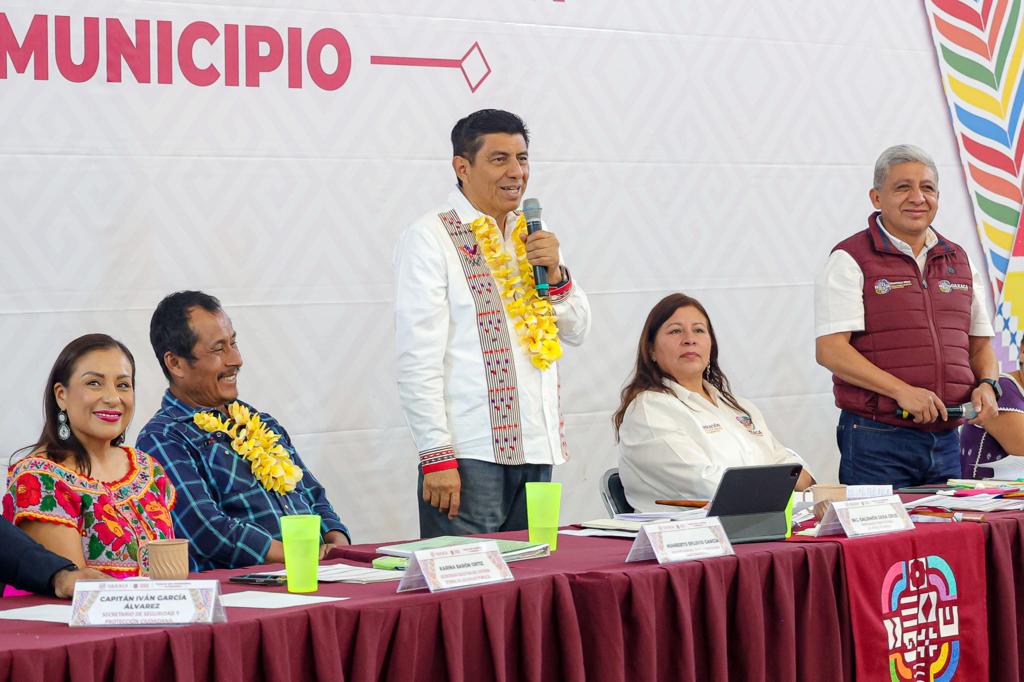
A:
(561, 292)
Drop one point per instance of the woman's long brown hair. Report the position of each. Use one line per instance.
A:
(647, 376)
(49, 443)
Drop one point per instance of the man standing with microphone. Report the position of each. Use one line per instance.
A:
(478, 339)
(902, 323)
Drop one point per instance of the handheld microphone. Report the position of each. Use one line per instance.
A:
(965, 411)
(531, 209)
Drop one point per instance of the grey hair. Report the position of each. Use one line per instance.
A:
(901, 153)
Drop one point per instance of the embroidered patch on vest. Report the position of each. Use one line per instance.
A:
(945, 286)
(711, 428)
(495, 344)
(884, 286)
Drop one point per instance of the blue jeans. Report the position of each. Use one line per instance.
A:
(493, 498)
(871, 452)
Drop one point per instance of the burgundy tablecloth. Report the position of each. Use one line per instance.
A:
(775, 611)
(523, 630)
(1004, 564)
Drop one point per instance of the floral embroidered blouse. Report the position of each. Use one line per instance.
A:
(112, 517)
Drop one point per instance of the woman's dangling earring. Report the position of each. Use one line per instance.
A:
(63, 430)
(118, 441)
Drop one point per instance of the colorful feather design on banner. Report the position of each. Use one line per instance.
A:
(980, 45)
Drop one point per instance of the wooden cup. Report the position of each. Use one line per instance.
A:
(824, 494)
(164, 559)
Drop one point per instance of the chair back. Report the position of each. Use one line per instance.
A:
(613, 495)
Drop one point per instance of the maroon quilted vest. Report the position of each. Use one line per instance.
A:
(916, 328)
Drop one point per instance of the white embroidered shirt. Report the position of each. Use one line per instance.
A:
(467, 387)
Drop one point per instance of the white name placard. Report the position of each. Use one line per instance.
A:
(855, 492)
(871, 516)
(449, 568)
(680, 541)
(145, 603)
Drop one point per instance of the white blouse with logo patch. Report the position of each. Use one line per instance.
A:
(677, 445)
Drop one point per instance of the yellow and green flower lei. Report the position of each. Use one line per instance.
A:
(534, 317)
(257, 444)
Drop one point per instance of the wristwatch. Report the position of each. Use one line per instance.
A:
(995, 387)
(70, 568)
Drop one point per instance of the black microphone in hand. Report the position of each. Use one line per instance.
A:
(965, 411)
(531, 209)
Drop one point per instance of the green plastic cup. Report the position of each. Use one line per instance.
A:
(789, 514)
(542, 503)
(300, 534)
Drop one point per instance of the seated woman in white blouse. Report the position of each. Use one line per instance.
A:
(679, 427)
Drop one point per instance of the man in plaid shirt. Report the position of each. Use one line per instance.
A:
(226, 514)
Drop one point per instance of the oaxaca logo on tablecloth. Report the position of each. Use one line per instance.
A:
(922, 620)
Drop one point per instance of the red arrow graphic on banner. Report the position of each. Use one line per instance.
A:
(473, 64)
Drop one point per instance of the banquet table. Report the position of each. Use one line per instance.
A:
(775, 611)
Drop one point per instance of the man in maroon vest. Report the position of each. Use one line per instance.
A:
(902, 323)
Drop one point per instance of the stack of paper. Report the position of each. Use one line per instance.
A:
(997, 482)
(679, 515)
(981, 503)
(511, 550)
(614, 524)
(857, 492)
(598, 533)
(343, 573)
(631, 522)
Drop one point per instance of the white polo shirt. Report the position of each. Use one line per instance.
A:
(839, 291)
(677, 445)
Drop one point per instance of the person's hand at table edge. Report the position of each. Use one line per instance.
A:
(64, 580)
(335, 538)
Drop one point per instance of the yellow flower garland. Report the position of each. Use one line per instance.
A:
(257, 444)
(534, 317)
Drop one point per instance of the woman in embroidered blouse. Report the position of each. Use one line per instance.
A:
(1002, 436)
(679, 426)
(80, 493)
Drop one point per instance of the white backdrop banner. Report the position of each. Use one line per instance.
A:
(270, 155)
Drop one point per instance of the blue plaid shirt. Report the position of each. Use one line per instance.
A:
(228, 517)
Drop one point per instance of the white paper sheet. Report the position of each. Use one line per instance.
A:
(343, 573)
(52, 613)
(599, 533)
(677, 515)
(253, 599)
